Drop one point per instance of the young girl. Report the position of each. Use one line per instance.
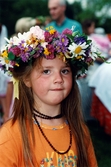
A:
(47, 128)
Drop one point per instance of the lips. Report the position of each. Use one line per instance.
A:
(57, 89)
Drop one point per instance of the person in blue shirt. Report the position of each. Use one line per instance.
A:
(57, 10)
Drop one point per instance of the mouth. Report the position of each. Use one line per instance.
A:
(57, 89)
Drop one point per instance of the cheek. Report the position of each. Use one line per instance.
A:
(40, 86)
(69, 83)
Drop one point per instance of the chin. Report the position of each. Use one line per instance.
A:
(54, 18)
(56, 101)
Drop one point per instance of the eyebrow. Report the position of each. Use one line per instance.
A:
(67, 65)
(53, 7)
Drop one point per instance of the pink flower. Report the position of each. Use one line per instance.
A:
(67, 31)
(38, 32)
(89, 59)
(15, 50)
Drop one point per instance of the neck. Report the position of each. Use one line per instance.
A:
(48, 109)
(60, 20)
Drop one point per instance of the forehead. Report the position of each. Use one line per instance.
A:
(53, 62)
(53, 3)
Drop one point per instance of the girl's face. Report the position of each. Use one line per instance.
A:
(51, 82)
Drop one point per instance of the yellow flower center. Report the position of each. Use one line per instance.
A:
(17, 64)
(78, 50)
(79, 57)
(6, 61)
(5, 54)
(52, 31)
(62, 57)
(63, 40)
(46, 52)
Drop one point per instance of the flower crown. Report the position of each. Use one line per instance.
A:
(68, 45)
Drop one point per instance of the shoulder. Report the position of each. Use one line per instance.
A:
(72, 21)
(9, 131)
(11, 150)
(76, 24)
(52, 23)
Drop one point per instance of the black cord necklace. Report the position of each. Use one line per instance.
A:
(38, 114)
(50, 142)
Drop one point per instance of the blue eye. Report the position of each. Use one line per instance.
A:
(46, 72)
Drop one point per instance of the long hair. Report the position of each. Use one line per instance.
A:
(23, 109)
(71, 106)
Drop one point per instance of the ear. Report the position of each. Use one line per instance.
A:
(64, 8)
(27, 82)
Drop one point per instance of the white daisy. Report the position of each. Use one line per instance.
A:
(3, 62)
(76, 50)
(94, 52)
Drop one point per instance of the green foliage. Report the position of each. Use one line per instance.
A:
(11, 56)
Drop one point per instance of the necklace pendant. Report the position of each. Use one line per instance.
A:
(54, 128)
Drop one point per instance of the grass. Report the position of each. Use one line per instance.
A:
(101, 143)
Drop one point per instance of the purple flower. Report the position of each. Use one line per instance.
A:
(29, 48)
(88, 50)
(38, 51)
(60, 45)
(79, 40)
(21, 45)
(64, 40)
(25, 57)
(58, 48)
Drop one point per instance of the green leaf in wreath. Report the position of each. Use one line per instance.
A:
(11, 56)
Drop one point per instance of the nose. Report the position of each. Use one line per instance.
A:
(58, 78)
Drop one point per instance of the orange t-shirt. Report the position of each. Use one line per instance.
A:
(11, 149)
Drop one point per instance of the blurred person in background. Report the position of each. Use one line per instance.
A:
(3, 34)
(5, 83)
(101, 99)
(59, 21)
(101, 41)
(23, 24)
